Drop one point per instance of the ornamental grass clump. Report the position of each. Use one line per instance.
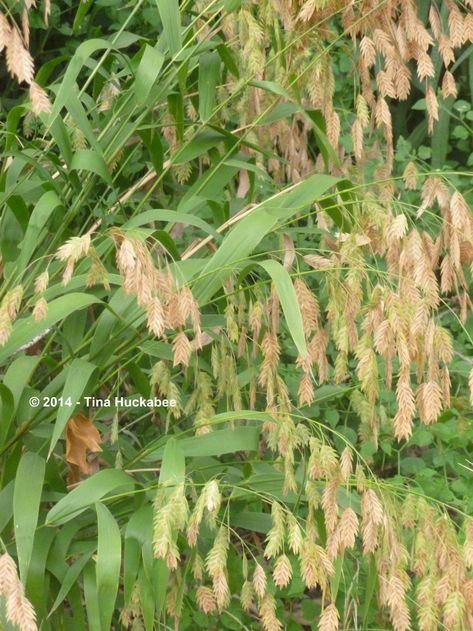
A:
(260, 211)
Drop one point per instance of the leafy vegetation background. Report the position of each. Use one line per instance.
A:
(260, 210)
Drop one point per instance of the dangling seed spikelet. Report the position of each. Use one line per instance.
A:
(329, 619)
(259, 581)
(282, 572)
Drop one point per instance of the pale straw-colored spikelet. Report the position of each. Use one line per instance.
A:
(19, 610)
(282, 573)
(468, 28)
(329, 618)
(383, 114)
(432, 107)
(468, 593)
(429, 401)
(5, 31)
(316, 566)
(318, 262)
(385, 84)
(449, 86)
(41, 282)
(468, 544)
(330, 505)
(425, 67)
(396, 600)
(126, 256)
(306, 390)
(181, 349)
(362, 111)
(216, 564)
(5, 326)
(74, 248)
(247, 595)
(460, 213)
(12, 301)
(276, 535)
(19, 61)
(403, 420)
(454, 611)
(368, 51)
(427, 608)
(372, 518)
(267, 612)
(8, 574)
(47, 11)
(156, 317)
(346, 464)
(294, 534)
(39, 99)
(308, 305)
(357, 139)
(259, 581)
(206, 600)
(348, 528)
(40, 310)
(398, 228)
(25, 27)
(455, 27)
(170, 517)
(198, 568)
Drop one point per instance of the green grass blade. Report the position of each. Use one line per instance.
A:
(108, 564)
(26, 502)
(171, 19)
(289, 303)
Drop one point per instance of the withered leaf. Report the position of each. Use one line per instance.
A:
(82, 438)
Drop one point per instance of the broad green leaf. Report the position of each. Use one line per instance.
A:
(148, 597)
(250, 231)
(89, 160)
(198, 145)
(27, 329)
(78, 375)
(36, 224)
(174, 465)
(289, 303)
(209, 69)
(147, 73)
(70, 578)
(81, 55)
(88, 492)
(37, 576)
(131, 566)
(91, 598)
(249, 520)
(161, 214)
(236, 246)
(171, 19)
(109, 556)
(26, 501)
(273, 87)
(215, 443)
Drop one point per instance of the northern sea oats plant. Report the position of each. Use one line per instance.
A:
(262, 212)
